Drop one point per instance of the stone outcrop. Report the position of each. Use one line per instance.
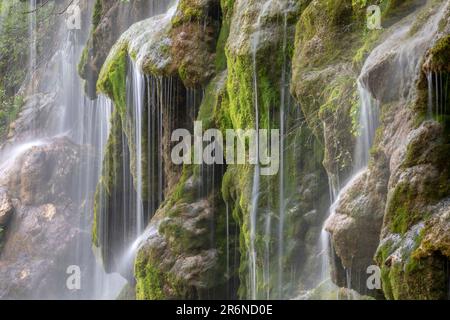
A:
(110, 19)
(40, 215)
(381, 215)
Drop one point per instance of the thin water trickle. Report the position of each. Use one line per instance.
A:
(32, 33)
(437, 94)
(282, 204)
(257, 170)
(136, 91)
(265, 9)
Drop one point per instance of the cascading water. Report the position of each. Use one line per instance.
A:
(136, 89)
(408, 50)
(273, 224)
(282, 204)
(146, 99)
(94, 132)
(437, 94)
(32, 33)
(143, 98)
(257, 171)
(151, 100)
(86, 123)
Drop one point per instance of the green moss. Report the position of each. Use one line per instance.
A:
(402, 209)
(227, 8)
(15, 41)
(189, 11)
(410, 273)
(326, 19)
(9, 110)
(97, 15)
(336, 94)
(416, 280)
(369, 41)
(112, 78)
(440, 55)
(110, 183)
(82, 63)
(221, 59)
(149, 280)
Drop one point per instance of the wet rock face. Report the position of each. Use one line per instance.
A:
(179, 257)
(35, 116)
(437, 234)
(33, 258)
(412, 255)
(379, 217)
(354, 226)
(45, 173)
(111, 19)
(6, 207)
(323, 80)
(43, 221)
(196, 26)
(6, 212)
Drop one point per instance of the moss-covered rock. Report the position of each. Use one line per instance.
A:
(327, 37)
(318, 83)
(261, 31)
(412, 255)
(110, 19)
(110, 211)
(6, 212)
(185, 254)
(439, 56)
(224, 47)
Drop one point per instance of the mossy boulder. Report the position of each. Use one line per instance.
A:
(354, 225)
(323, 80)
(439, 56)
(109, 20)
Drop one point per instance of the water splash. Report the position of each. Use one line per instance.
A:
(9, 155)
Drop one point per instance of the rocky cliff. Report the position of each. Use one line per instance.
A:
(363, 174)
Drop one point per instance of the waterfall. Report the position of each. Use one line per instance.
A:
(151, 101)
(281, 204)
(256, 174)
(123, 217)
(96, 129)
(409, 50)
(32, 33)
(84, 122)
(257, 170)
(135, 91)
(268, 258)
(368, 123)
